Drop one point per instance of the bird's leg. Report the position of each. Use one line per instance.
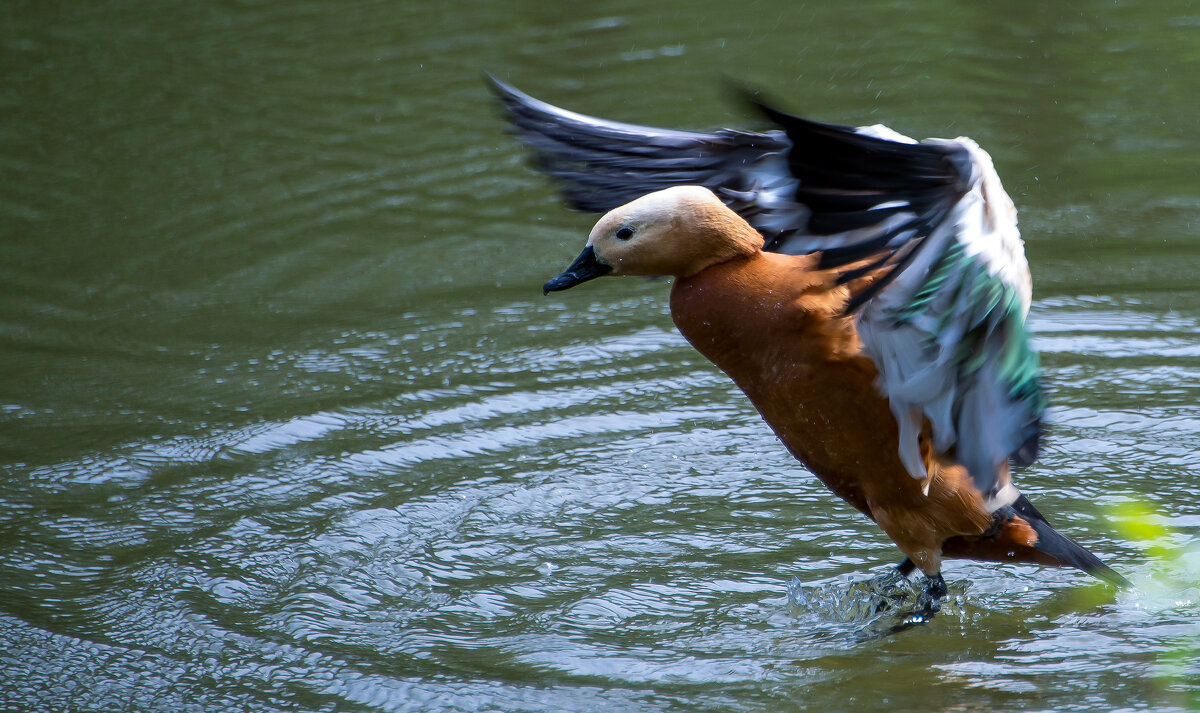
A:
(906, 567)
(931, 600)
(935, 587)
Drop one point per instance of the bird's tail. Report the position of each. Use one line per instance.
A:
(1020, 533)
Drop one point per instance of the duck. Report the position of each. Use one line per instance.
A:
(867, 292)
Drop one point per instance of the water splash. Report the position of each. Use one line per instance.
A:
(873, 607)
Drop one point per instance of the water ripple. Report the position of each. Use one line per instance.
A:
(286, 424)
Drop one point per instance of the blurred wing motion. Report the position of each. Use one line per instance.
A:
(942, 308)
(604, 164)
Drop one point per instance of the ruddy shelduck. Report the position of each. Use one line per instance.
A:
(867, 292)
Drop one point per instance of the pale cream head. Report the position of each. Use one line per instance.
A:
(678, 231)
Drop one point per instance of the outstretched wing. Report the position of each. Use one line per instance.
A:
(944, 316)
(603, 164)
(942, 311)
(872, 196)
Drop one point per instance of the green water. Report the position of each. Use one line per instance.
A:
(286, 425)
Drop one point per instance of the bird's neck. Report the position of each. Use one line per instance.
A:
(758, 299)
(717, 237)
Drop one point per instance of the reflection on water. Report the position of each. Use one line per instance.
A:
(285, 424)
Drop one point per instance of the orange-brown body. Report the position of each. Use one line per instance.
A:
(773, 323)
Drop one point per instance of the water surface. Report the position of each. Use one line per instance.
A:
(285, 423)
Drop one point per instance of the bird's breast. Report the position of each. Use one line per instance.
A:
(775, 327)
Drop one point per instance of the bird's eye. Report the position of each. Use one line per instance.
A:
(624, 232)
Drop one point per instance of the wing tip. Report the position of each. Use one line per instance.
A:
(502, 89)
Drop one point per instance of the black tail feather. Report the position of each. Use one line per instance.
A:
(1063, 548)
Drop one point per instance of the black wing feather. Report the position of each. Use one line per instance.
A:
(811, 187)
(604, 164)
(852, 181)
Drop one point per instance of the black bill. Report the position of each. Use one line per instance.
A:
(586, 267)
